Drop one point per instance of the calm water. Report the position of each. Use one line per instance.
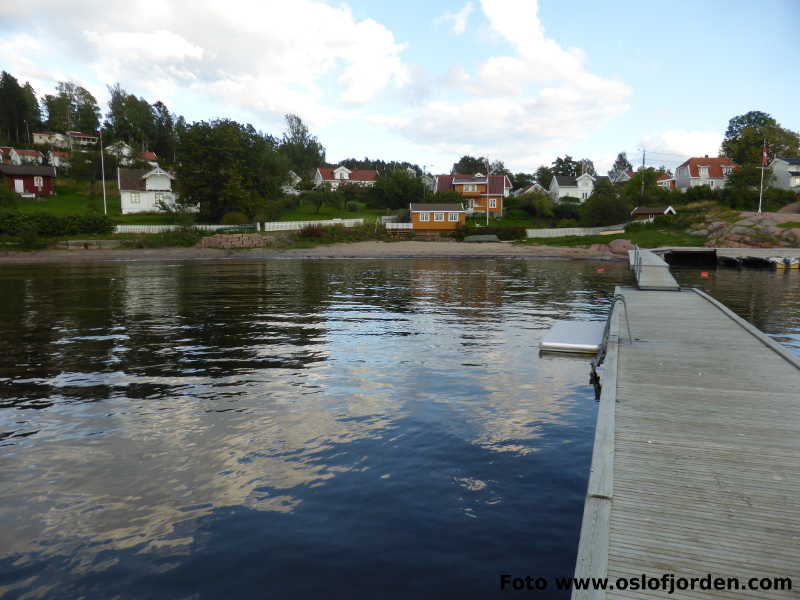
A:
(294, 429)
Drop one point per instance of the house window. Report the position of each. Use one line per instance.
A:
(492, 202)
(161, 197)
(438, 216)
(795, 181)
(38, 182)
(584, 195)
(703, 171)
(711, 184)
(470, 187)
(135, 198)
(424, 216)
(726, 170)
(453, 217)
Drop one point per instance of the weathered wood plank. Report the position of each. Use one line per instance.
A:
(706, 451)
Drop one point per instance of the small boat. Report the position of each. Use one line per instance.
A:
(785, 262)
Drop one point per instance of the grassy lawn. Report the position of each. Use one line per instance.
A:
(78, 198)
(646, 238)
(306, 212)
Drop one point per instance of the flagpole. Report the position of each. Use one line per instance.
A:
(103, 174)
(761, 187)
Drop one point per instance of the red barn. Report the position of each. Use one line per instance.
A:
(29, 180)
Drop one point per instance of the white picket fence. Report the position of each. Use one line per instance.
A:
(298, 225)
(163, 228)
(390, 226)
(565, 231)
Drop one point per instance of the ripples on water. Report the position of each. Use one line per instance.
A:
(298, 428)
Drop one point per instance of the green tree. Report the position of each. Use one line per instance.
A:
(397, 189)
(605, 206)
(585, 165)
(536, 204)
(72, 108)
(566, 167)
(653, 193)
(130, 119)
(544, 175)
(621, 165)
(164, 136)
(225, 166)
(745, 137)
(469, 165)
(303, 150)
(522, 180)
(19, 110)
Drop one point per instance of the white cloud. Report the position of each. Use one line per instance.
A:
(458, 19)
(523, 107)
(683, 143)
(303, 56)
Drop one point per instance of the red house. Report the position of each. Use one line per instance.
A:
(29, 180)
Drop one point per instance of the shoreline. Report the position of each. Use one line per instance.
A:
(353, 250)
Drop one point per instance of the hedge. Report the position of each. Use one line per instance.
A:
(45, 224)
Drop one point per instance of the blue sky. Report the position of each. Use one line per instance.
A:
(429, 81)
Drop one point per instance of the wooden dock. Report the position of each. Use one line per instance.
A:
(696, 464)
(651, 272)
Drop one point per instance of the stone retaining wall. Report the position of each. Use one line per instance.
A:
(235, 240)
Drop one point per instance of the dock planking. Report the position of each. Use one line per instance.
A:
(696, 464)
(651, 271)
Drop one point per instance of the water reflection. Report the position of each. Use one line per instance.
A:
(217, 428)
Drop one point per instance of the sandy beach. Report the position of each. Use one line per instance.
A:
(372, 249)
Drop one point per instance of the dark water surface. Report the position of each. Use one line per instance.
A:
(303, 429)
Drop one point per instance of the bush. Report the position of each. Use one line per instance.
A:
(567, 223)
(311, 231)
(340, 233)
(235, 217)
(182, 237)
(8, 199)
(45, 224)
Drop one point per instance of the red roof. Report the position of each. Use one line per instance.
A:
(664, 176)
(61, 154)
(80, 134)
(355, 175)
(28, 152)
(497, 183)
(714, 166)
(148, 156)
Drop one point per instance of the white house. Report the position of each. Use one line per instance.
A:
(290, 187)
(697, 171)
(580, 187)
(333, 178)
(786, 173)
(59, 159)
(143, 190)
(51, 138)
(20, 156)
(620, 177)
(76, 138)
(121, 151)
(534, 187)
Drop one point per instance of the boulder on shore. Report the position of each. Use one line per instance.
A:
(620, 246)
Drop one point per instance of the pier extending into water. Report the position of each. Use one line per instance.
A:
(696, 461)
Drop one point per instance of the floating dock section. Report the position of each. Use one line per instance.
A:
(651, 271)
(696, 461)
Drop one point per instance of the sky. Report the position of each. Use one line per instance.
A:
(515, 80)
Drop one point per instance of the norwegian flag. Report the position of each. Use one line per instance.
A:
(765, 155)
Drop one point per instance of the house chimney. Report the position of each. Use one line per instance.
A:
(706, 156)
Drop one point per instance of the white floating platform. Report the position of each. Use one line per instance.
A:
(575, 337)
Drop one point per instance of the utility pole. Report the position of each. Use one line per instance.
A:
(487, 192)
(763, 166)
(641, 197)
(103, 174)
